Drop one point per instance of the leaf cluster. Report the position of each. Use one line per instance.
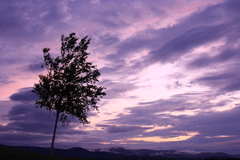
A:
(69, 88)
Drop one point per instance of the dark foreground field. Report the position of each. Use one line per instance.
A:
(18, 153)
(13, 154)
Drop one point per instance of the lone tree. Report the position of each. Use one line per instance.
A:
(69, 88)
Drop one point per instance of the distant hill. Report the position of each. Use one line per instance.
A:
(116, 153)
(169, 154)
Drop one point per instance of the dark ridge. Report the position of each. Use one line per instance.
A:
(116, 153)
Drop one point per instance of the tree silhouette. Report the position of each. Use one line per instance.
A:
(69, 88)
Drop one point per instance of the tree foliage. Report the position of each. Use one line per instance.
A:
(69, 87)
(70, 84)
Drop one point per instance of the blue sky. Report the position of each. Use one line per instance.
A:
(171, 69)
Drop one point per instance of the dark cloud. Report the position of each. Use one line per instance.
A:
(227, 55)
(128, 47)
(56, 14)
(225, 81)
(156, 12)
(175, 48)
(112, 24)
(23, 138)
(24, 95)
(3, 128)
(119, 68)
(171, 43)
(175, 85)
(112, 129)
(108, 40)
(4, 79)
(234, 86)
(25, 23)
(116, 89)
(231, 7)
(159, 113)
(13, 19)
(28, 118)
(213, 128)
(28, 124)
(213, 123)
(9, 61)
(35, 67)
(137, 116)
(90, 139)
(220, 77)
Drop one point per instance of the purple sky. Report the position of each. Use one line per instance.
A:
(171, 69)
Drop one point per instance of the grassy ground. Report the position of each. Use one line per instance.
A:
(12, 154)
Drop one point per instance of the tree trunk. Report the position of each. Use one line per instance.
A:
(54, 133)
